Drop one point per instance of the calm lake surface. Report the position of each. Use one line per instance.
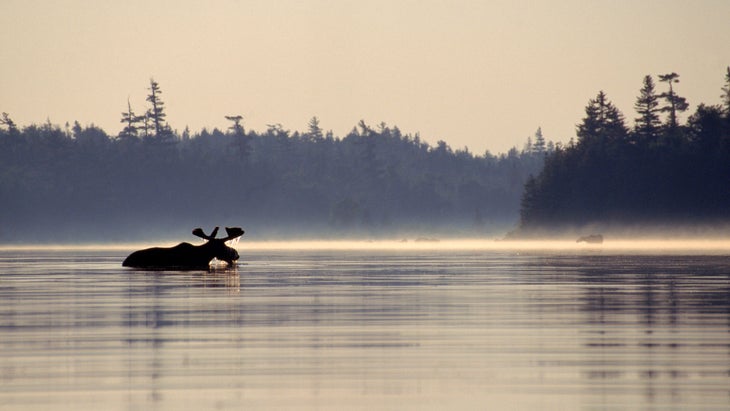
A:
(334, 329)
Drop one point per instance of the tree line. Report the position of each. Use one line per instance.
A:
(658, 172)
(78, 183)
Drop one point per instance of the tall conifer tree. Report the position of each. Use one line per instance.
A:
(132, 121)
(157, 112)
(675, 103)
(726, 94)
(647, 125)
(539, 146)
(603, 122)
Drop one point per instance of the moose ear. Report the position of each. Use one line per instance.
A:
(233, 232)
(214, 233)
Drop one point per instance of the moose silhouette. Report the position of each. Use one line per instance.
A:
(186, 255)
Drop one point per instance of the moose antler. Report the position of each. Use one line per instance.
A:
(198, 232)
(233, 232)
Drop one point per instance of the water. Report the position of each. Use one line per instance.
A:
(333, 329)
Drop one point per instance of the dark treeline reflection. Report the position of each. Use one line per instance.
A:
(81, 184)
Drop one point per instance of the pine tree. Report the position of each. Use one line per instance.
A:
(726, 94)
(603, 122)
(132, 121)
(315, 131)
(675, 103)
(236, 128)
(146, 126)
(647, 125)
(157, 112)
(529, 147)
(8, 122)
(241, 142)
(539, 146)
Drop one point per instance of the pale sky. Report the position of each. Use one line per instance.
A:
(481, 74)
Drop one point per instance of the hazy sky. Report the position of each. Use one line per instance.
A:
(482, 74)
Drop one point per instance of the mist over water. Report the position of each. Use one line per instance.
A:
(371, 325)
(711, 245)
(612, 246)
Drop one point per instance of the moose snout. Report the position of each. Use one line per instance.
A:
(231, 255)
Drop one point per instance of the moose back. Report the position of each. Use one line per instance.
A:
(186, 255)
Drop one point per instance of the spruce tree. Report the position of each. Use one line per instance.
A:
(131, 121)
(314, 131)
(603, 122)
(539, 146)
(647, 125)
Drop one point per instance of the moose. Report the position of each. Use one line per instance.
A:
(186, 255)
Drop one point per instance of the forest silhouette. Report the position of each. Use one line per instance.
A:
(657, 174)
(77, 183)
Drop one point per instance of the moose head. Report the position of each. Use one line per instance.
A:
(217, 246)
(188, 256)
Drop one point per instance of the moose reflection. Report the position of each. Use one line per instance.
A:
(186, 255)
